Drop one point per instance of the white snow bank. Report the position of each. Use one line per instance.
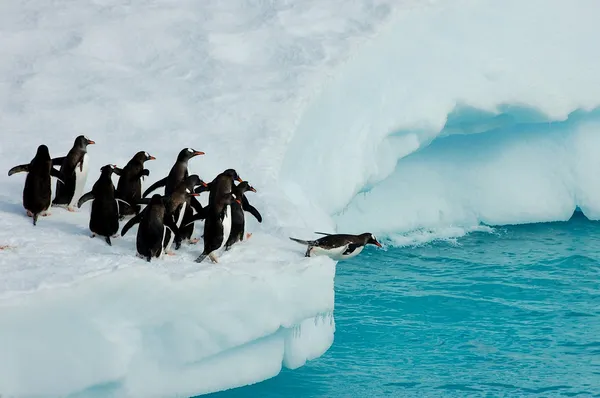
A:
(226, 77)
(457, 67)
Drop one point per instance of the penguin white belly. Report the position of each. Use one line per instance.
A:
(226, 226)
(178, 223)
(335, 253)
(161, 251)
(80, 180)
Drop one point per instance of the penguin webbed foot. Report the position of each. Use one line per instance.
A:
(29, 213)
(213, 258)
(308, 250)
(35, 218)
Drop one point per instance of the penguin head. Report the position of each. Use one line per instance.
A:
(370, 239)
(187, 153)
(42, 152)
(233, 174)
(82, 142)
(229, 197)
(193, 181)
(245, 187)
(108, 169)
(143, 156)
(190, 192)
(155, 200)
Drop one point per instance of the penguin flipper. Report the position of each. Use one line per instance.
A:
(85, 198)
(160, 183)
(250, 209)
(22, 168)
(323, 233)
(134, 220)
(121, 200)
(117, 171)
(144, 173)
(58, 161)
(195, 217)
(169, 223)
(57, 174)
(350, 249)
(196, 205)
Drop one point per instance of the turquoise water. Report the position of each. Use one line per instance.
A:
(511, 313)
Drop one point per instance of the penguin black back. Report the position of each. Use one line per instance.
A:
(104, 217)
(37, 192)
(129, 187)
(153, 222)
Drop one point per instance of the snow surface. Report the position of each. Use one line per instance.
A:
(449, 113)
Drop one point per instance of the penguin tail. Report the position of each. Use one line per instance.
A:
(304, 242)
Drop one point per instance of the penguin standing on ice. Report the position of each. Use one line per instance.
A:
(237, 213)
(129, 187)
(217, 226)
(178, 173)
(176, 205)
(74, 168)
(153, 221)
(104, 217)
(186, 213)
(338, 246)
(37, 192)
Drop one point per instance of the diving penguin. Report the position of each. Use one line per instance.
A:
(37, 192)
(338, 246)
(104, 217)
(74, 168)
(129, 187)
(154, 221)
(178, 173)
(237, 213)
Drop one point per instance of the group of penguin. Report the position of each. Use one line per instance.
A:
(165, 219)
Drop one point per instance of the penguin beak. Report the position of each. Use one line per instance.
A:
(90, 142)
(194, 194)
(377, 244)
(239, 179)
(204, 184)
(198, 153)
(252, 189)
(151, 158)
(239, 201)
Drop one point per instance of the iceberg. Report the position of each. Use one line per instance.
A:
(388, 116)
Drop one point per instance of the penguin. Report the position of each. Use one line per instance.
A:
(129, 187)
(154, 221)
(37, 192)
(237, 213)
(104, 217)
(192, 204)
(178, 172)
(220, 186)
(217, 226)
(338, 246)
(74, 168)
(177, 205)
